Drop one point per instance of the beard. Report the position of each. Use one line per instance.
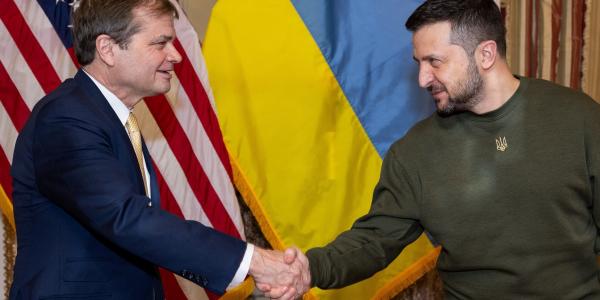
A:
(468, 92)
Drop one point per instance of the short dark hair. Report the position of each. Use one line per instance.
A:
(472, 21)
(113, 18)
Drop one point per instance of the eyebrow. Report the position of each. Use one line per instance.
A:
(162, 38)
(428, 58)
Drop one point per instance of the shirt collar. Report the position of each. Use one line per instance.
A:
(116, 104)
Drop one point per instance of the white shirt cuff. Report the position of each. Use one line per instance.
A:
(242, 270)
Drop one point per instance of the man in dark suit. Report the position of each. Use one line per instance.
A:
(89, 224)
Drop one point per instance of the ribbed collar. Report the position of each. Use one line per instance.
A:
(505, 109)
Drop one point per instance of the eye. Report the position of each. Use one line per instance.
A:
(160, 44)
(436, 63)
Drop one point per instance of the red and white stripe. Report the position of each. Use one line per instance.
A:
(180, 128)
(42, 29)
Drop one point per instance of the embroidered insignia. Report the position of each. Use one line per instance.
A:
(501, 144)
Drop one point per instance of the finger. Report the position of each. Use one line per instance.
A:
(296, 270)
(301, 257)
(290, 294)
(286, 277)
(277, 292)
(263, 287)
(306, 279)
(303, 260)
(302, 286)
(300, 266)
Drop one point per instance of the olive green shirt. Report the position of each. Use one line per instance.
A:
(510, 195)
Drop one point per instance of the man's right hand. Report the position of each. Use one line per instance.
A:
(280, 275)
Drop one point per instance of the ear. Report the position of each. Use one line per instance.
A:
(486, 54)
(104, 49)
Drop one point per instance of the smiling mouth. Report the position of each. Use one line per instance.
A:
(436, 94)
(166, 73)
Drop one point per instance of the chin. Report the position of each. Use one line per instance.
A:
(163, 90)
(441, 105)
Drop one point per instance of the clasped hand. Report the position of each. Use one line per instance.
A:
(280, 275)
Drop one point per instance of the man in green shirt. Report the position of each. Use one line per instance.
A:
(503, 177)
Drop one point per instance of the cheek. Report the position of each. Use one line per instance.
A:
(439, 79)
(147, 71)
(448, 78)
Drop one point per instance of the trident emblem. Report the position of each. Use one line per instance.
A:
(501, 144)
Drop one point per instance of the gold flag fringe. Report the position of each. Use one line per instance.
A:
(409, 276)
(242, 291)
(9, 245)
(7, 208)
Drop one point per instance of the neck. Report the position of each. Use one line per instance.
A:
(499, 85)
(103, 75)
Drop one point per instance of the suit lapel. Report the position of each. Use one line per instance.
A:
(123, 143)
(154, 190)
(98, 100)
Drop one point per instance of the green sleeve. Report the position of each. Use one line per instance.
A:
(377, 238)
(592, 145)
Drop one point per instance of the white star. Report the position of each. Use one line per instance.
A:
(73, 3)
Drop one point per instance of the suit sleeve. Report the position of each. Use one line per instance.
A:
(375, 239)
(77, 167)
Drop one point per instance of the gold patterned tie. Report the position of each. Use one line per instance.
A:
(136, 141)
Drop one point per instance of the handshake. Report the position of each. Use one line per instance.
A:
(280, 275)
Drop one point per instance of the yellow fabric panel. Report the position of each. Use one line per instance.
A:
(286, 122)
(301, 157)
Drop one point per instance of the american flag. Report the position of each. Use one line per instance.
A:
(180, 128)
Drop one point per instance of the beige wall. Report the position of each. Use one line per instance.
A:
(198, 12)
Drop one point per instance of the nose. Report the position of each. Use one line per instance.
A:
(425, 75)
(173, 55)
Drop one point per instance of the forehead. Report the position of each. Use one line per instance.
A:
(432, 38)
(151, 22)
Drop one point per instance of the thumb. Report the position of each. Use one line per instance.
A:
(290, 255)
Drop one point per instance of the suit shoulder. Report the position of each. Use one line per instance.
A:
(66, 99)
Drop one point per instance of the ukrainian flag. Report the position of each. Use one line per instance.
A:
(310, 94)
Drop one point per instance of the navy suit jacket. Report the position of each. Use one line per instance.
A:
(85, 230)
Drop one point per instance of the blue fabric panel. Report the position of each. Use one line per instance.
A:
(370, 52)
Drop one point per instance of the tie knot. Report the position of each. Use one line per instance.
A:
(131, 124)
